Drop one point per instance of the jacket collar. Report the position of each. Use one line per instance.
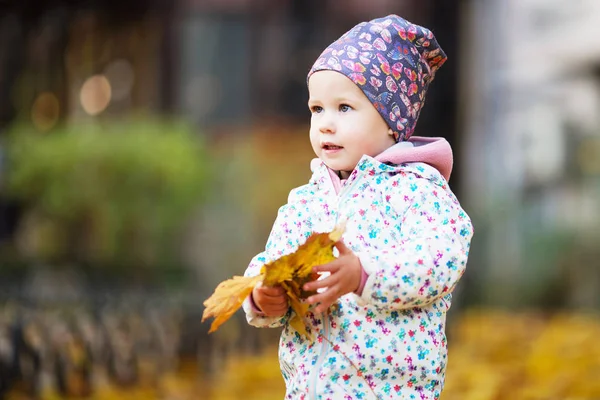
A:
(436, 152)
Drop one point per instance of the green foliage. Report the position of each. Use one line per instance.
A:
(112, 194)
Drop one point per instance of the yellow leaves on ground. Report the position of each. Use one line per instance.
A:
(291, 271)
(523, 356)
(493, 355)
(249, 377)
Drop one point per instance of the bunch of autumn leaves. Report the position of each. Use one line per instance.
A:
(291, 272)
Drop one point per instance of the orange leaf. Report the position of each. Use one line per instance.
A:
(291, 272)
(317, 250)
(300, 309)
(228, 298)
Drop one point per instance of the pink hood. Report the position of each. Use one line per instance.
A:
(435, 151)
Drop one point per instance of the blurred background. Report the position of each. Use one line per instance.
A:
(145, 146)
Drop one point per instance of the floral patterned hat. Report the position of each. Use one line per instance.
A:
(393, 62)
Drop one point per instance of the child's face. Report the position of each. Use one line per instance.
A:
(344, 125)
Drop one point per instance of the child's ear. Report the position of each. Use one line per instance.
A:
(390, 132)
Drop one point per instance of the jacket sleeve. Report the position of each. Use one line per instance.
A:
(283, 239)
(431, 249)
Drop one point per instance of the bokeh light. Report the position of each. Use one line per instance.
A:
(121, 76)
(45, 111)
(95, 94)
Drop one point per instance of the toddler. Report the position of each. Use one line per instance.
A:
(406, 238)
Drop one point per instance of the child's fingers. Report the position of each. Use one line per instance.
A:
(329, 267)
(324, 300)
(342, 248)
(272, 291)
(273, 301)
(321, 283)
(272, 306)
(321, 308)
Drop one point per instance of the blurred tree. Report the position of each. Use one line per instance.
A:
(114, 195)
(35, 37)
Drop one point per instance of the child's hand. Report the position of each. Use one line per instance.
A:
(272, 301)
(345, 277)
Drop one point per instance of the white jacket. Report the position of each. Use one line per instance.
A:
(412, 238)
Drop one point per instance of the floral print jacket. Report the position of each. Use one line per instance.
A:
(412, 238)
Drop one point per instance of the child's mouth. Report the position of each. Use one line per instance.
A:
(331, 147)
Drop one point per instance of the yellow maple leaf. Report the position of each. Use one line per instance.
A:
(300, 309)
(291, 271)
(228, 298)
(317, 250)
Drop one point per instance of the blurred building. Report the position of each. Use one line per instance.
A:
(530, 86)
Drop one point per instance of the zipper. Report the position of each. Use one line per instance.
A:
(341, 197)
(314, 374)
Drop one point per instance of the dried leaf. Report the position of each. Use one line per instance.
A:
(317, 250)
(300, 309)
(299, 325)
(291, 271)
(228, 298)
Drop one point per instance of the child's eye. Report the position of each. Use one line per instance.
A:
(316, 109)
(345, 108)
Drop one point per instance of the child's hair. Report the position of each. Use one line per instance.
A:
(392, 61)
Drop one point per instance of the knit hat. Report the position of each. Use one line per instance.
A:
(393, 62)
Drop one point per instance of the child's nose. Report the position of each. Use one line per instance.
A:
(327, 125)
